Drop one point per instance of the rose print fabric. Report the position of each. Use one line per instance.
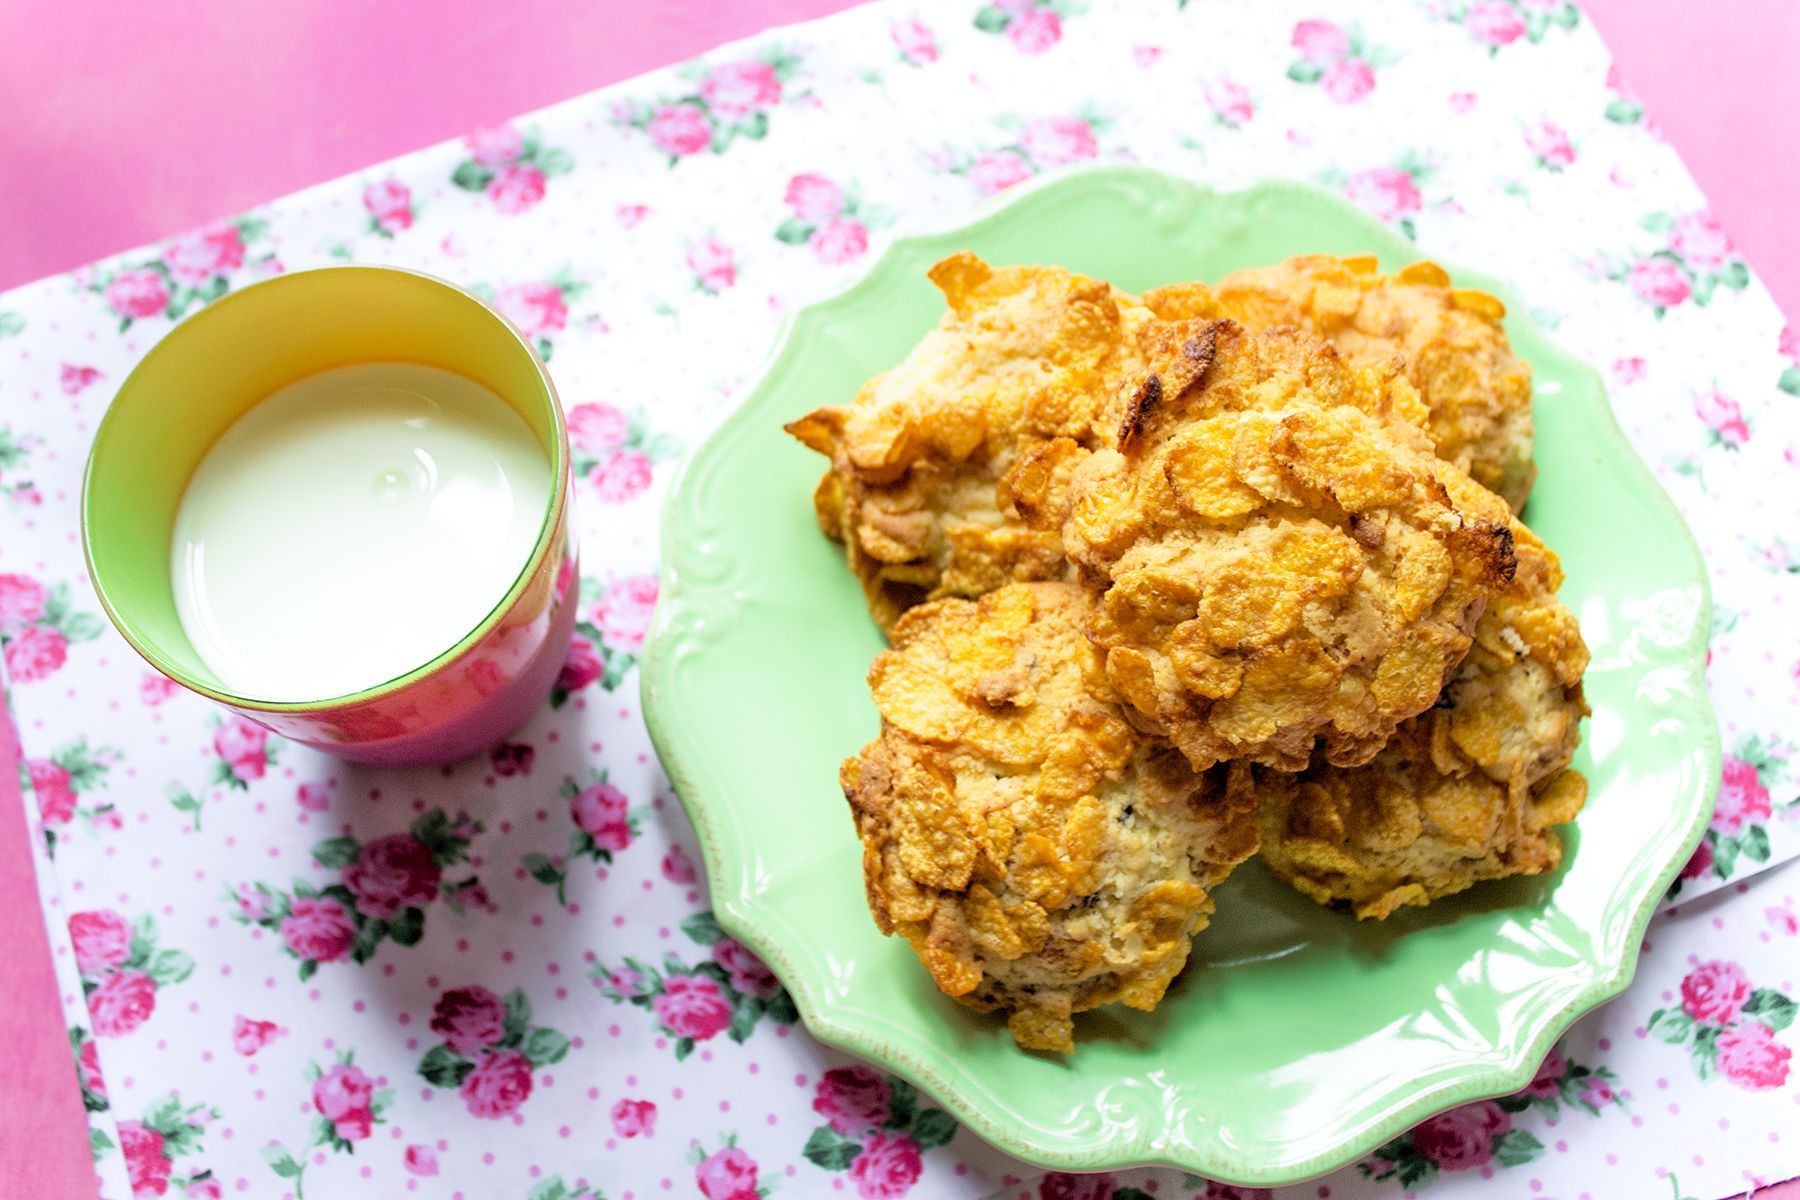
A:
(284, 975)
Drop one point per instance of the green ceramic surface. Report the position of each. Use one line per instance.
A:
(1298, 1039)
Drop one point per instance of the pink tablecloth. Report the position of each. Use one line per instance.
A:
(120, 132)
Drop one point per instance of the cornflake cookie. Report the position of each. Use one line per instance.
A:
(1023, 354)
(1039, 854)
(1282, 558)
(1456, 352)
(1468, 791)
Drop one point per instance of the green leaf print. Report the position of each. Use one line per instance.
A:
(703, 927)
(830, 1149)
(444, 1068)
(1515, 1147)
(336, 853)
(793, 232)
(992, 20)
(407, 927)
(518, 1014)
(1771, 1008)
(170, 966)
(545, 1046)
(471, 176)
(1305, 72)
(934, 1127)
(1671, 1025)
(11, 324)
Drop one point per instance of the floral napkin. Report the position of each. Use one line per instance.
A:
(285, 975)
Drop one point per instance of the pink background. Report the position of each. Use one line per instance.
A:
(128, 123)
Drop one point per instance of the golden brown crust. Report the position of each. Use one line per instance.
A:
(1452, 341)
(1469, 790)
(1039, 854)
(1023, 354)
(1281, 557)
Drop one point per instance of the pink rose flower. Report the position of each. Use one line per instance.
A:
(623, 477)
(629, 215)
(1146, 56)
(1225, 1191)
(634, 1118)
(390, 874)
(887, 1167)
(853, 1100)
(1789, 344)
(137, 294)
(50, 783)
(318, 928)
(87, 1065)
(536, 308)
(1494, 23)
(21, 601)
(727, 1174)
(1701, 241)
(421, 1160)
(597, 427)
(1783, 918)
(1721, 414)
(839, 240)
(601, 812)
(1715, 992)
(154, 688)
(1349, 81)
(677, 867)
(204, 1187)
(713, 263)
(36, 654)
(146, 1162)
(1596, 1091)
(1550, 143)
(1230, 102)
(1053, 141)
(1463, 102)
(390, 203)
(196, 257)
(1752, 1058)
(495, 145)
(470, 1019)
(1743, 799)
(994, 173)
(516, 188)
(749, 974)
(917, 43)
(1320, 42)
(243, 745)
(624, 611)
(1463, 1137)
(1387, 192)
(346, 1097)
(1627, 371)
(248, 1035)
(1059, 1185)
(1700, 863)
(692, 1006)
(102, 939)
(582, 666)
(680, 130)
(1549, 1075)
(123, 1001)
(77, 379)
(1034, 30)
(735, 90)
(814, 197)
(313, 797)
(500, 1082)
(1659, 282)
(512, 758)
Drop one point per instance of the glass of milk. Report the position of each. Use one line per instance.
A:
(336, 502)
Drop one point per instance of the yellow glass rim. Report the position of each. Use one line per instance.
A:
(542, 547)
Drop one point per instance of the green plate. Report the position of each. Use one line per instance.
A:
(1298, 1039)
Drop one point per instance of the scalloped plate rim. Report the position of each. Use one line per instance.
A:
(875, 1041)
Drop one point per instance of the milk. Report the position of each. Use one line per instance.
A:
(352, 527)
